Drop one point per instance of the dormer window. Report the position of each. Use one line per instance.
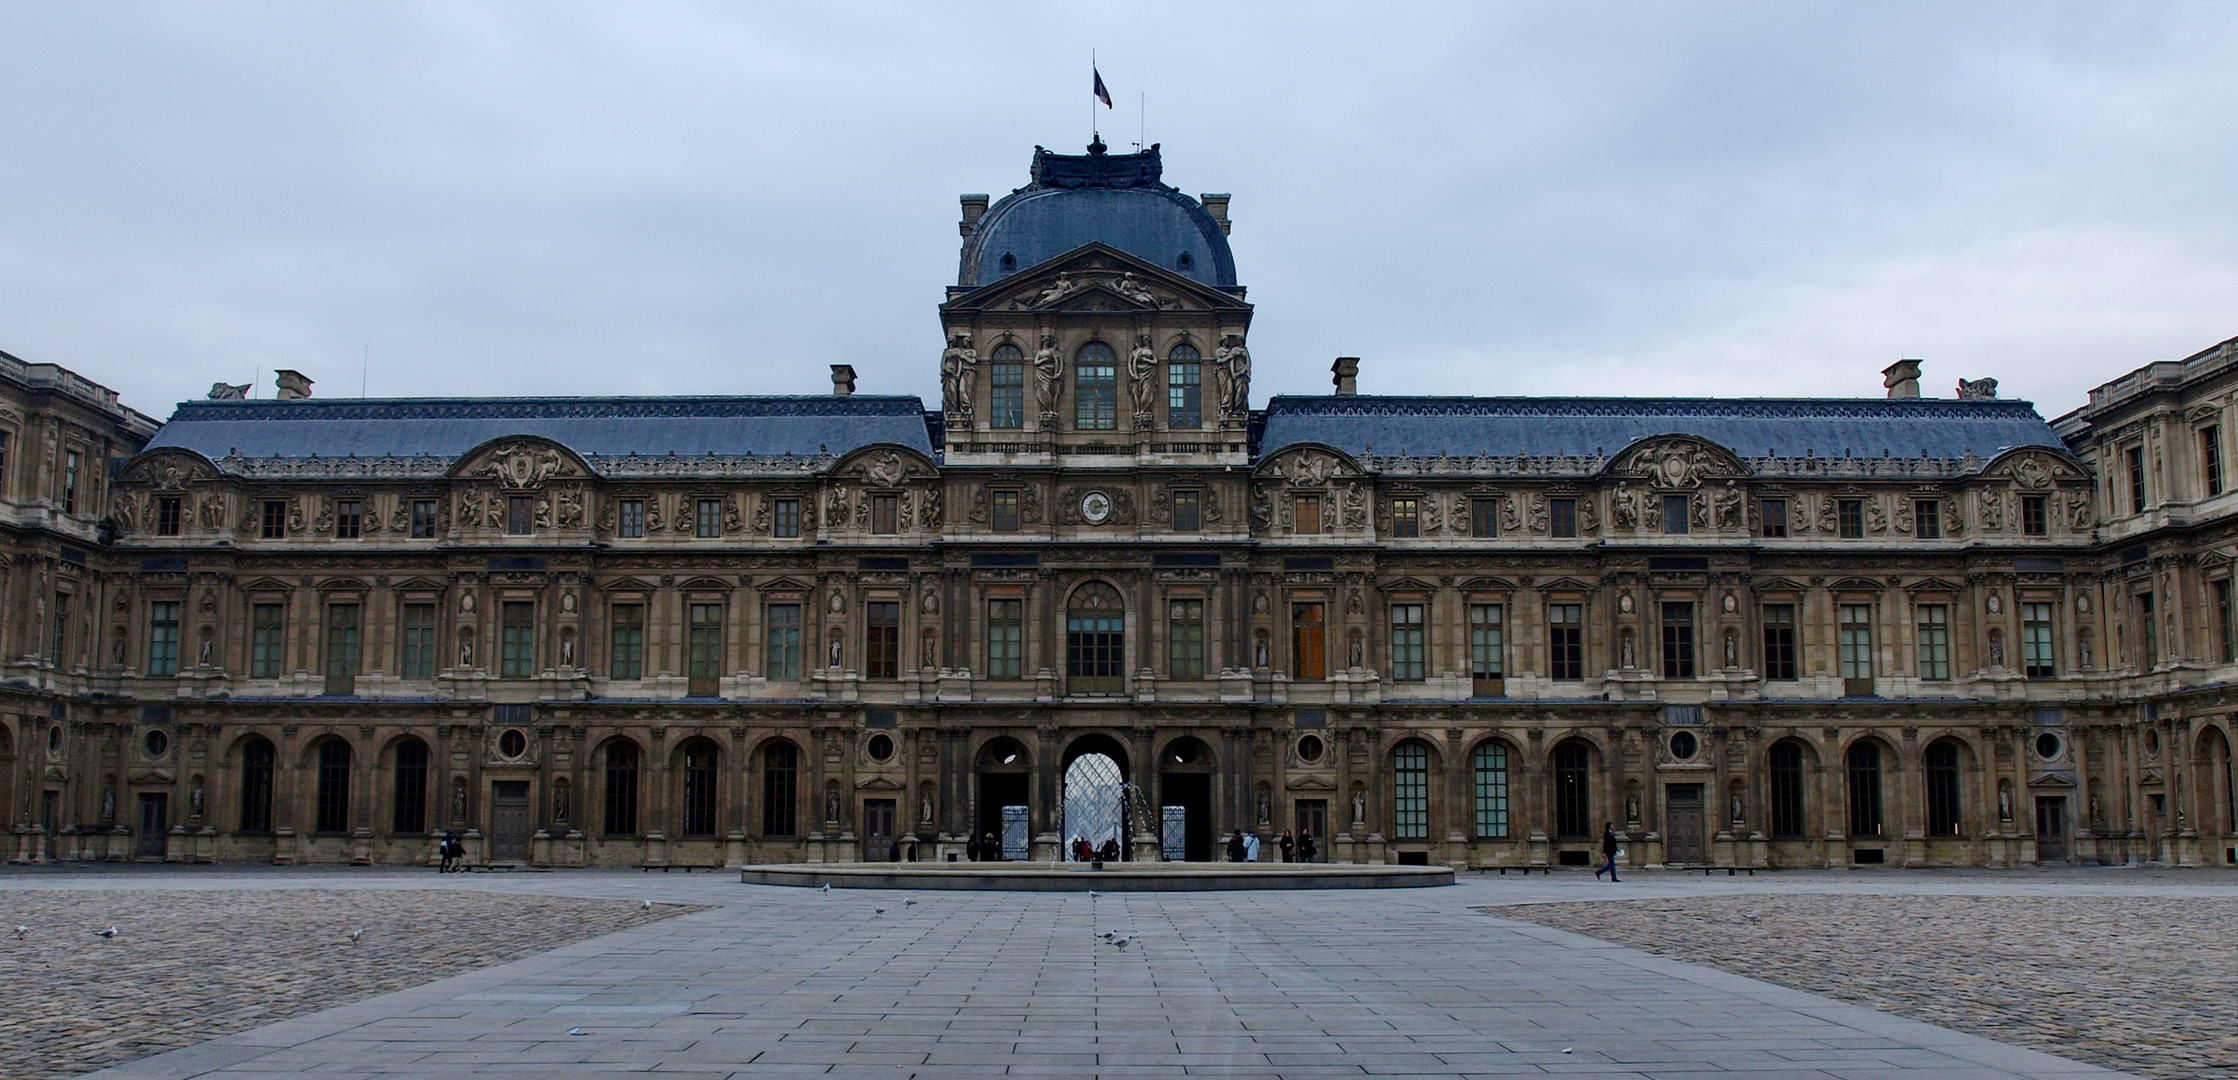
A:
(1184, 261)
(520, 515)
(349, 519)
(1096, 388)
(1006, 388)
(1184, 387)
(1009, 262)
(167, 516)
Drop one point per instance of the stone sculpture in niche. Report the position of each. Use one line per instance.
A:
(1049, 371)
(1142, 382)
(958, 367)
(1232, 376)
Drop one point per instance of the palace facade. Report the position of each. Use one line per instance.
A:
(1098, 589)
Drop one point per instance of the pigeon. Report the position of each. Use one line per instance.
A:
(354, 935)
(109, 933)
(878, 911)
(20, 931)
(646, 906)
(1109, 934)
(1122, 942)
(1092, 894)
(909, 901)
(577, 1031)
(1752, 916)
(824, 888)
(1567, 1049)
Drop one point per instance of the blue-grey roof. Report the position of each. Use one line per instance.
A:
(604, 427)
(1591, 427)
(1117, 199)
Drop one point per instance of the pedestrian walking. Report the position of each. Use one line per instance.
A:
(1251, 847)
(1306, 848)
(1289, 845)
(1608, 850)
(1235, 846)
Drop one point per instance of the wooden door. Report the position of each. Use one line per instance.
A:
(2051, 828)
(509, 822)
(155, 824)
(878, 829)
(1683, 842)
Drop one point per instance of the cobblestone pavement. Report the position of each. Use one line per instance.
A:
(187, 966)
(2138, 983)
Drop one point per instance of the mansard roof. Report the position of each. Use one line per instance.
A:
(810, 429)
(1594, 429)
(1116, 199)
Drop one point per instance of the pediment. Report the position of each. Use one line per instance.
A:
(2034, 467)
(2052, 779)
(417, 584)
(1855, 585)
(1311, 783)
(1488, 583)
(1777, 585)
(1565, 585)
(1931, 585)
(1676, 461)
(627, 584)
(1406, 584)
(1310, 465)
(520, 462)
(152, 776)
(886, 465)
(1095, 278)
(780, 584)
(878, 783)
(168, 469)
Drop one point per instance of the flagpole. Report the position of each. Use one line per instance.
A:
(1093, 134)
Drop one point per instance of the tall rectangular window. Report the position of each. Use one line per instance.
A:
(1184, 393)
(625, 636)
(704, 651)
(70, 465)
(349, 519)
(516, 657)
(1003, 511)
(1185, 639)
(1484, 518)
(1565, 641)
(1934, 642)
(629, 519)
(885, 514)
(167, 516)
(2223, 638)
(274, 520)
(1309, 649)
(267, 639)
(3, 459)
(882, 640)
(1786, 761)
(1772, 518)
(1927, 515)
(342, 643)
(418, 658)
(1849, 518)
(520, 515)
(1406, 517)
(2033, 520)
(1674, 514)
(1308, 511)
(1562, 518)
(1855, 642)
(423, 519)
(1096, 388)
(1407, 661)
(1487, 641)
(784, 518)
(2210, 458)
(2038, 648)
(1188, 511)
(61, 628)
(707, 518)
(1779, 642)
(1006, 396)
(2134, 457)
(1489, 763)
(163, 638)
(2148, 627)
(781, 643)
(1678, 639)
(1410, 792)
(1006, 639)
(410, 790)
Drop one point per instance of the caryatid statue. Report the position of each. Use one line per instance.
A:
(958, 365)
(1142, 381)
(1232, 367)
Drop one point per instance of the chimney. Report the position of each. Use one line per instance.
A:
(1347, 370)
(1216, 204)
(842, 379)
(975, 206)
(1901, 378)
(293, 385)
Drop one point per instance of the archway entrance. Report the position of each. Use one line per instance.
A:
(1096, 798)
(1005, 787)
(1185, 800)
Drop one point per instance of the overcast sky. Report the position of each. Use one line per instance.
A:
(1548, 198)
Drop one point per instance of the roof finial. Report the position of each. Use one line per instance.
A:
(1096, 146)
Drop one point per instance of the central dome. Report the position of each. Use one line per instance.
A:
(1116, 199)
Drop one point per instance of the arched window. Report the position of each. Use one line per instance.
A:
(410, 814)
(1184, 387)
(1006, 387)
(1095, 401)
(780, 789)
(1942, 788)
(1489, 763)
(334, 786)
(699, 788)
(1865, 789)
(1410, 792)
(256, 786)
(1787, 791)
(621, 788)
(1095, 639)
(1573, 791)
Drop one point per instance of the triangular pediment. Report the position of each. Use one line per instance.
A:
(1311, 783)
(877, 783)
(1095, 278)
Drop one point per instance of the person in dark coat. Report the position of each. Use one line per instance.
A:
(1289, 845)
(1235, 846)
(1608, 850)
(1109, 852)
(1306, 850)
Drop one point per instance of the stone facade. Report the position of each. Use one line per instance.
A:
(712, 631)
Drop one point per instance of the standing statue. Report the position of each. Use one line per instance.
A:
(1048, 371)
(1359, 809)
(1142, 381)
(958, 366)
(1232, 370)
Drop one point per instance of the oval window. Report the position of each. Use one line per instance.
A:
(512, 743)
(880, 747)
(2047, 745)
(156, 742)
(1684, 744)
(54, 739)
(1309, 748)
(2152, 741)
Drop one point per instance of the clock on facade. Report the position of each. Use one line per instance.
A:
(1095, 506)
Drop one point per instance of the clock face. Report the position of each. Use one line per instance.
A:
(1096, 507)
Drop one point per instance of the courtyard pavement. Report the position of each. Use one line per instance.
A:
(783, 982)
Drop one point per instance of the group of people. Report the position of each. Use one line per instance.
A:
(451, 854)
(1083, 851)
(1244, 847)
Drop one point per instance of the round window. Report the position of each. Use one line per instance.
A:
(1684, 744)
(512, 743)
(156, 742)
(2047, 745)
(880, 747)
(1182, 752)
(1309, 748)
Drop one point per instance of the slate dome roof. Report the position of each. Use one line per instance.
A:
(1118, 199)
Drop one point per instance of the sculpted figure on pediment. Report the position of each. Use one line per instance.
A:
(1133, 289)
(1056, 290)
(1679, 463)
(524, 465)
(1308, 469)
(886, 469)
